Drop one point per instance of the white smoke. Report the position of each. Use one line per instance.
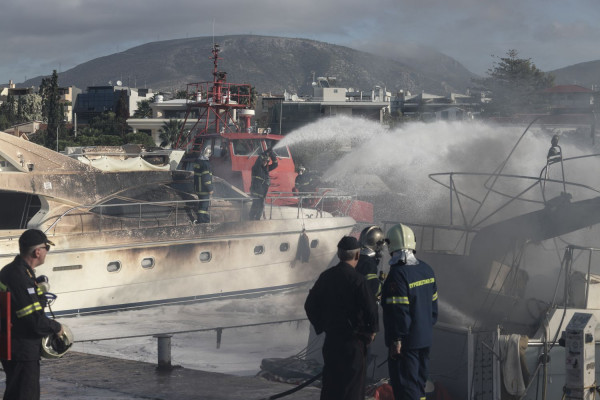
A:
(404, 158)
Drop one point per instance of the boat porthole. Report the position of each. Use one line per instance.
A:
(284, 246)
(114, 266)
(258, 250)
(148, 263)
(314, 243)
(205, 256)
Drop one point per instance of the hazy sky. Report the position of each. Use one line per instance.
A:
(37, 36)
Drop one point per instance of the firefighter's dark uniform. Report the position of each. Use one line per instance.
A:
(367, 266)
(303, 185)
(204, 187)
(303, 182)
(29, 326)
(341, 305)
(260, 184)
(409, 302)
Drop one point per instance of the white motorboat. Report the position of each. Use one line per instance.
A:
(124, 233)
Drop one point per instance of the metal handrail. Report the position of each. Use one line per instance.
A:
(181, 204)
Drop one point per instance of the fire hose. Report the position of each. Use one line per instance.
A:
(294, 390)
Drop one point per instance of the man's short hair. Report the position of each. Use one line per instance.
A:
(347, 255)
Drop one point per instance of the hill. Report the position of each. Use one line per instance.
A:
(271, 64)
(586, 74)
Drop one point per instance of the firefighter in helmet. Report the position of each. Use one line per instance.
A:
(261, 182)
(303, 182)
(371, 242)
(203, 185)
(410, 308)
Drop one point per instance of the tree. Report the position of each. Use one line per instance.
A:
(244, 95)
(515, 85)
(169, 132)
(8, 111)
(143, 109)
(29, 108)
(182, 94)
(122, 113)
(52, 110)
(140, 138)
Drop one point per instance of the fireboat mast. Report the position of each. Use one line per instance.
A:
(215, 104)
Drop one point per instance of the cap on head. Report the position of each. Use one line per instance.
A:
(33, 237)
(400, 237)
(348, 243)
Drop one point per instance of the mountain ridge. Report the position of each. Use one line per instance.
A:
(277, 64)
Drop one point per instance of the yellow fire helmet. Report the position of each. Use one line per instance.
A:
(400, 237)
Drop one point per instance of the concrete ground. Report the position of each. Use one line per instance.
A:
(85, 376)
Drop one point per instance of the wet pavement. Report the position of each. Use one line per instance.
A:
(85, 376)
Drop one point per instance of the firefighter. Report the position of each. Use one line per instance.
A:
(341, 305)
(303, 185)
(371, 242)
(203, 185)
(261, 182)
(29, 322)
(410, 307)
(303, 182)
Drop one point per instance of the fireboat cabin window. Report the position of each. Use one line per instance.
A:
(281, 152)
(258, 250)
(114, 266)
(314, 243)
(246, 147)
(285, 246)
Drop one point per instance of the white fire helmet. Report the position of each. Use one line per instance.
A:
(54, 346)
(400, 237)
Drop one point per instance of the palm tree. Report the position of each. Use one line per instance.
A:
(169, 132)
(143, 109)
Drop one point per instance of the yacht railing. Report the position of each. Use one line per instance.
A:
(182, 212)
(578, 263)
(438, 238)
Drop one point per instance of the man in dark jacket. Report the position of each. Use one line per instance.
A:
(410, 308)
(29, 323)
(261, 182)
(341, 305)
(203, 185)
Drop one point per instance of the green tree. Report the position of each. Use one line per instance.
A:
(29, 108)
(122, 113)
(169, 132)
(182, 94)
(8, 111)
(52, 110)
(244, 95)
(515, 85)
(143, 109)
(140, 138)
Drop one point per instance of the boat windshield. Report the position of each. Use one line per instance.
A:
(246, 147)
(282, 151)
